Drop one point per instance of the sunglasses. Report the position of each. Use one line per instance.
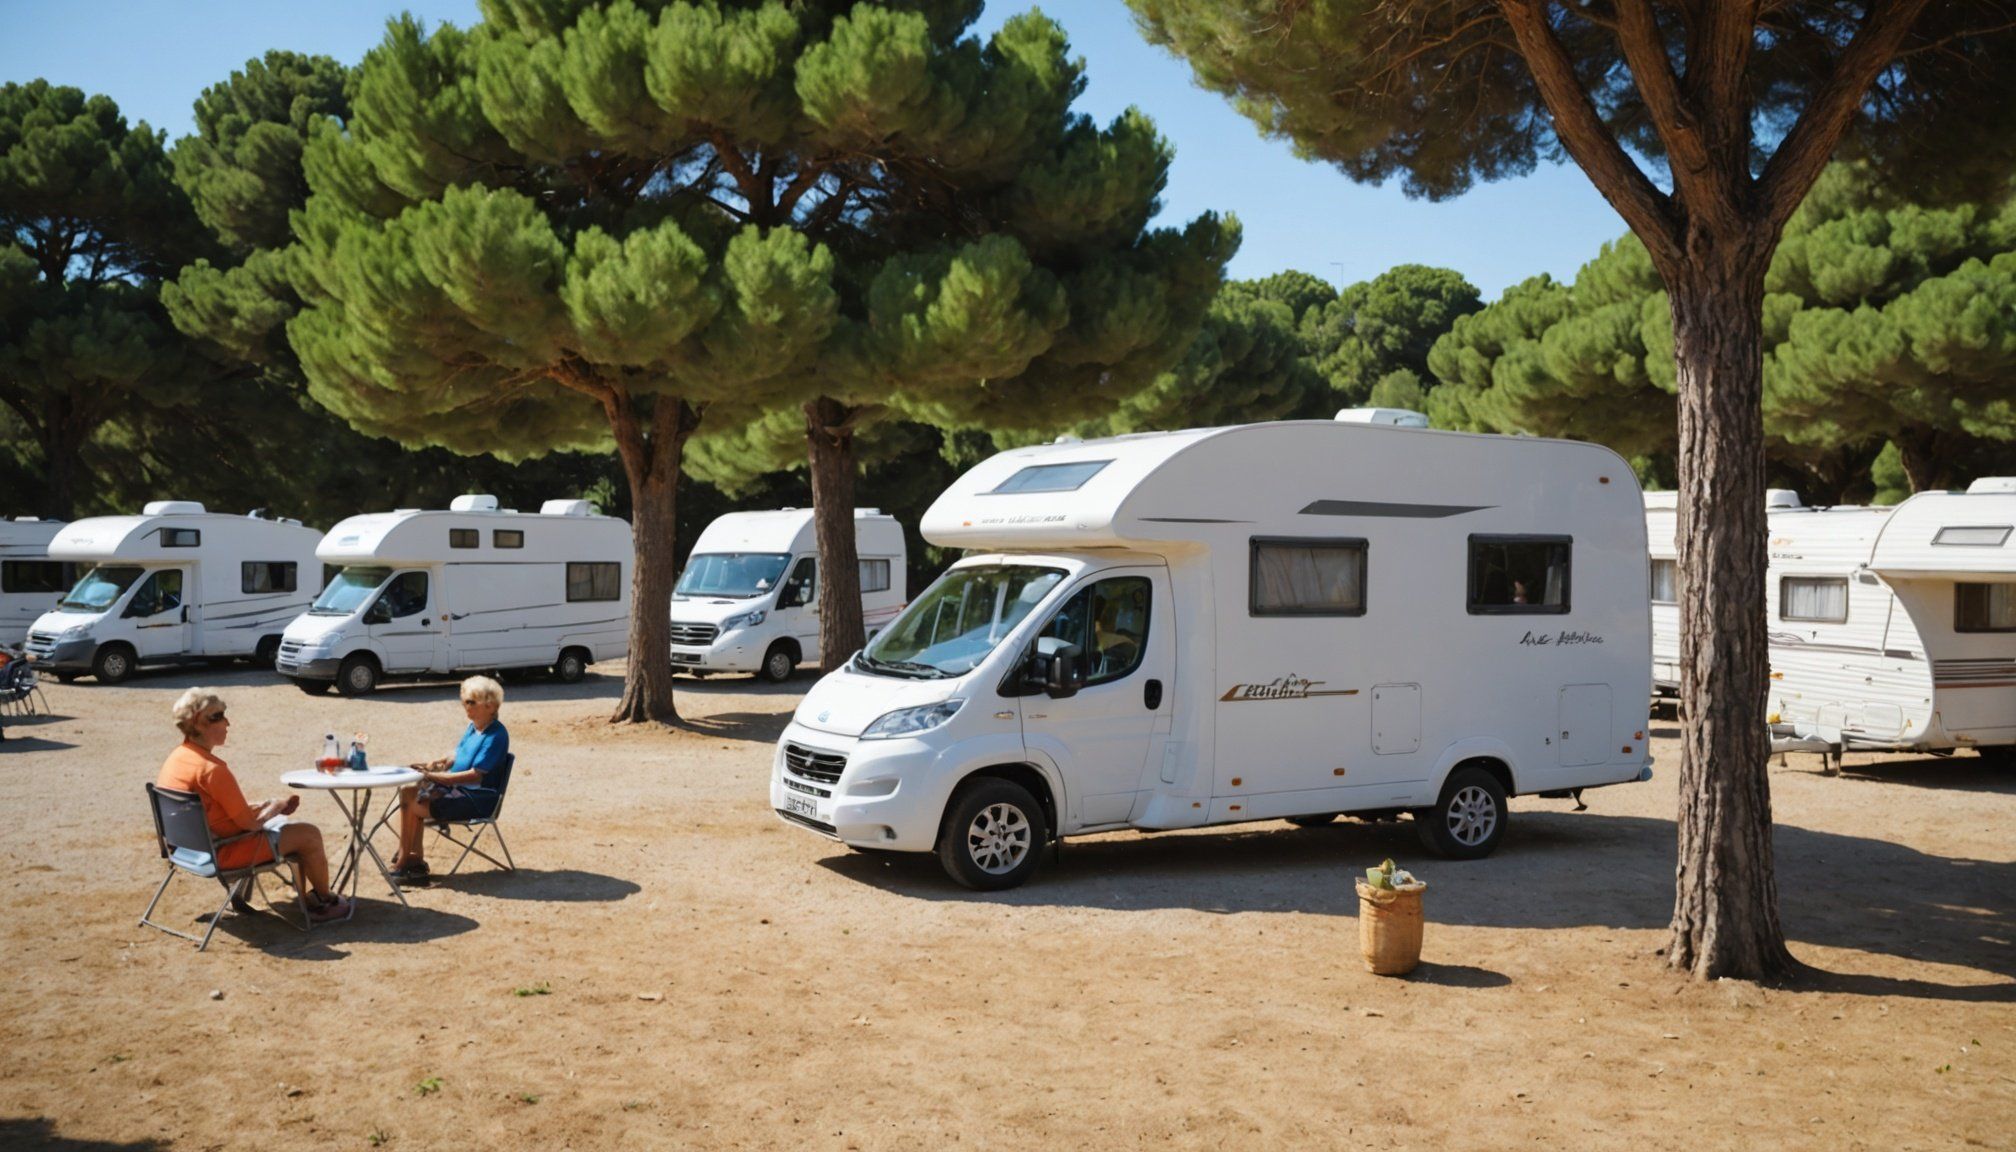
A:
(470, 703)
(215, 718)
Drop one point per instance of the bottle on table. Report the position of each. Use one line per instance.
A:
(332, 756)
(357, 761)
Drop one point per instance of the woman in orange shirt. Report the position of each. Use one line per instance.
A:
(194, 767)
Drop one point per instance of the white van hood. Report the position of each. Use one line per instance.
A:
(846, 702)
(56, 623)
(308, 629)
(714, 609)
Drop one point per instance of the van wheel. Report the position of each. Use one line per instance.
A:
(1313, 821)
(113, 664)
(68, 677)
(1467, 822)
(993, 835)
(314, 687)
(1998, 755)
(267, 650)
(571, 667)
(357, 677)
(779, 663)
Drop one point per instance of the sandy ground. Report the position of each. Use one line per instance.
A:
(703, 976)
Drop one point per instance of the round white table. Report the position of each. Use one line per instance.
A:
(352, 792)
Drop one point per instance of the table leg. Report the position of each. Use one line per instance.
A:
(363, 814)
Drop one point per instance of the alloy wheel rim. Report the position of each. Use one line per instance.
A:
(780, 666)
(115, 664)
(998, 839)
(1473, 815)
(360, 677)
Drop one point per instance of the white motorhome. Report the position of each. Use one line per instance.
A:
(429, 593)
(30, 582)
(174, 584)
(748, 599)
(1221, 625)
(1890, 628)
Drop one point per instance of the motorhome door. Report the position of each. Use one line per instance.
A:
(799, 604)
(1121, 625)
(159, 614)
(403, 623)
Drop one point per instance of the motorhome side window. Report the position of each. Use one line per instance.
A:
(1108, 623)
(594, 580)
(874, 575)
(1520, 575)
(507, 538)
(464, 538)
(1822, 599)
(1294, 577)
(1665, 582)
(162, 592)
(1984, 607)
(181, 538)
(35, 576)
(1049, 478)
(802, 584)
(267, 576)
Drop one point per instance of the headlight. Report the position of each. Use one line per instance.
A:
(911, 721)
(750, 619)
(74, 632)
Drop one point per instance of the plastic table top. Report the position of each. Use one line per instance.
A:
(347, 780)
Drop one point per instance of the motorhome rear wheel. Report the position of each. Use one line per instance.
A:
(113, 664)
(263, 655)
(993, 835)
(571, 667)
(357, 677)
(1467, 822)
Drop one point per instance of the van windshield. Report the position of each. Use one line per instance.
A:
(734, 575)
(348, 591)
(958, 621)
(98, 588)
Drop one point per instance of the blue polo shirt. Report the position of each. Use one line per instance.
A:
(484, 751)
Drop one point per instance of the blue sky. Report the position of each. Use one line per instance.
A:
(154, 58)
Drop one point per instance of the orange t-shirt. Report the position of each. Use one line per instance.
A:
(193, 769)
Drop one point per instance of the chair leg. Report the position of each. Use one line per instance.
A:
(510, 865)
(147, 917)
(216, 918)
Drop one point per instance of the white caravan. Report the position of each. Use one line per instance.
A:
(174, 584)
(1662, 531)
(748, 600)
(30, 582)
(1221, 625)
(429, 592)
(1890, 628)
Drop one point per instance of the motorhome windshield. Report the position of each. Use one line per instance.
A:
(734, 575)
(349, 591)
(958, 621)
(98, 588)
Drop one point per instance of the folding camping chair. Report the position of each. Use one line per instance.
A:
(189, 847)
(20, 688)
(482, 824)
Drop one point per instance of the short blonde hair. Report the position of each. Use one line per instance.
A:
(483, 690)
(192, 704)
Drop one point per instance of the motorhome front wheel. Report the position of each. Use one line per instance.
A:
(779, 664)
(357, 677)
(993, 835)
(1467, 822)
(113, 664)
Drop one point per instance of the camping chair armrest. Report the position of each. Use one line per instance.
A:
(238, 837)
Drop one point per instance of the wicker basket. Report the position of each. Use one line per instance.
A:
(1389, 928)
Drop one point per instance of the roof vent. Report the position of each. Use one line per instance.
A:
(1067, 438)
(172, 508)
(1393, 417)
(473, 502)
(566, 508)
(1781, 498)
(1992, 484)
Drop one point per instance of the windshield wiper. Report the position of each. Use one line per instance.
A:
(915, 668)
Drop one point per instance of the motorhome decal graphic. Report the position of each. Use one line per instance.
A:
(1393, 511)
(1566, 638)
(1282, 688)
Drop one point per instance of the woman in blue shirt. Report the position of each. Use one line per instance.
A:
(459, 787)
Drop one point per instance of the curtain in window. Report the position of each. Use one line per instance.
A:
(1300, 577)
(1814, 599)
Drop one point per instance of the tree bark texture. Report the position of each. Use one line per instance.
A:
(829, 436)
(651, 446)
(1725, 906)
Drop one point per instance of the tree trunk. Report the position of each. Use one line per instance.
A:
(1928, 464)
(651, 463)
(829, 437)
(1725, 906)
(63, 436)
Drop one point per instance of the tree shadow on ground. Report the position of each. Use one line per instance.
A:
(754, 727)
(564, 885)
(1962, 773)
(1553, 870)
(730, 684)
(36, 1134)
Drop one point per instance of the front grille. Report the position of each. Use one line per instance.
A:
(813, 764)
(683, 633)
(290, 647)
(41, 643)
(807, 789)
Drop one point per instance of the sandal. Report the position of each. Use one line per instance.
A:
(334, 908)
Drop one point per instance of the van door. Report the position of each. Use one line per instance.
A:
(798, 604)
(158, 615)
(1099, 738)
(402, 623)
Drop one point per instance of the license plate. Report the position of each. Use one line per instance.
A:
(802, 806)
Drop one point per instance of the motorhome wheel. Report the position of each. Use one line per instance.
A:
(779, 663)
(113, 664)
(314, 687)
(68, 677)
(1467, 822)
(993, 835)
(1313, 821)
(269, 647)
(571, 666)
(357, 677)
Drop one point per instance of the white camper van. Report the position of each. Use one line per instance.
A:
(30, 582)
(748, 600)
(1294, 620)
(172, 585)
(1890, 628)
(425, 593)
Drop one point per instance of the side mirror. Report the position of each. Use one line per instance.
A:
(378, 613)
(1053, 669)
(185, 613)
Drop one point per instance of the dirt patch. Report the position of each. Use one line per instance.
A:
(671, 966)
